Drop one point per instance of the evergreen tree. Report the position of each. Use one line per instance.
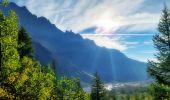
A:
(160, 70)
(25, 43)
(97, 89)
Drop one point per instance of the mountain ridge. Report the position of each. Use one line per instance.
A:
(75, 56)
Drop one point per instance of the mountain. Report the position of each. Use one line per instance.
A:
(75, 56)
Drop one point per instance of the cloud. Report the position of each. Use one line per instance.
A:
(148, 42)
(114, 41)
(107, 41)
(81, 14)
(125, 34)
(150, 52)
(132, 43)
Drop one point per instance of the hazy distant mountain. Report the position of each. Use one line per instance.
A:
(75, 56)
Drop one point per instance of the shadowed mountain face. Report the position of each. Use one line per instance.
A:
(75, 56)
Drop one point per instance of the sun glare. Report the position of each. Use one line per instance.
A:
(106, 23)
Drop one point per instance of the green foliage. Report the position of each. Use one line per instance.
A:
(70, 89)
(129, 92)
(4, 3)
(22, 77)
(9, 55)
(25, 44)
(35, 81)
(160, 70)
(160, 91)
(9, 33)
(97, 90)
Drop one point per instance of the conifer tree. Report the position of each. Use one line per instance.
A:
(25, 43)
(97, 89)
(160, 69)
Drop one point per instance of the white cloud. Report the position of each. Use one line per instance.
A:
(150, 52)
(116, 41)
(132, 43)
(148, 42)
(81, 14)
(143, 21)
(126, 34)
(107, 41)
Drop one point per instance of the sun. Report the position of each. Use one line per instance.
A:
(107, 23)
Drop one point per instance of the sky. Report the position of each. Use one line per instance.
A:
(125, 25)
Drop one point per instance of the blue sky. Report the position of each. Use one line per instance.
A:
(126, 25)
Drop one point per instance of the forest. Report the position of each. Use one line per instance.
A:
(22, 77)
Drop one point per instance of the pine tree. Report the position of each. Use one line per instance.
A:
(160, 70)
(25, 43)
(97, 89)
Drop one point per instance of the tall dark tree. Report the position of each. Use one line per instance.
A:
(97, 89)
(25, 43)
(160, 70)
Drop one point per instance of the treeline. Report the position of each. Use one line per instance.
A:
(130, 93)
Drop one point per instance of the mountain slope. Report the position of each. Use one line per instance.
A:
(75, 56)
